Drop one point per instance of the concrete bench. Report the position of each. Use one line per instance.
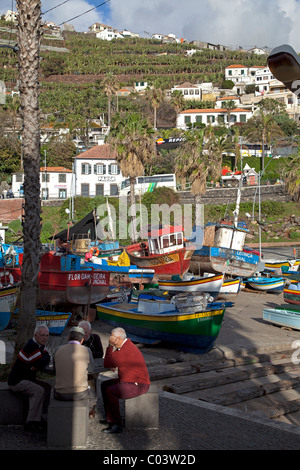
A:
(13, 406)
(139, 412)
(67, 423)
(143, 411)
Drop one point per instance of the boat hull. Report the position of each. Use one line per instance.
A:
(271, 285)
(285, 266)
(288, 317)
(230, 288)
(212, 259)
(196, 332)
(60, 284)
(55, 321)
(211, 285)
(165, 265)
(8, 298)
(291, 296)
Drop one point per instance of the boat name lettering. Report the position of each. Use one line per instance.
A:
(79, 276)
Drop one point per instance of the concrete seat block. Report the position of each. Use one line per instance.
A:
(142, 411)
(13, 406)
(67, 423)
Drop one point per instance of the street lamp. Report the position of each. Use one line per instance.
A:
(284, 64)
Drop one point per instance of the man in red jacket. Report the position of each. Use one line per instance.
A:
(133, 378)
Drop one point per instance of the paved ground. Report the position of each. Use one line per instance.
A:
(187, 424)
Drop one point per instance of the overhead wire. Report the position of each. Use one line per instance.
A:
(84, 13)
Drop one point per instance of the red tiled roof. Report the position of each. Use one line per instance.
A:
(55, 169)
(214, 110)
(102, 152)
(236, 66)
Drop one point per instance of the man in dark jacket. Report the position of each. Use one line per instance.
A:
(33, 358)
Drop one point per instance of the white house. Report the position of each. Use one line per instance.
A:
(237, 73)
(109, 34)
(220, 101)
(215, 117)
(263, 76)
(56, 183)
(97, 172)
(189, 91)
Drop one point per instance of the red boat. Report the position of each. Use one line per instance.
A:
(62, 281)
(165, 251)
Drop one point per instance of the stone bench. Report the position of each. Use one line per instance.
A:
(139, 412)
(67, 423)
(13, 406)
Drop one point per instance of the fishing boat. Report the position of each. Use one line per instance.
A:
(282, 316)
(8, 298)
(230, 288)
(222, 251)
(64, 280)
(291, 293)
(55, 321)
(153, 319)
(165, 251)
(285, 266)
(263, 283)
(210, 284)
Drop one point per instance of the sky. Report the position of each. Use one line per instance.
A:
(233, 23)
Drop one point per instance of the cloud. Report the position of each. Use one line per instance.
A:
(66, 12)
(233, 23)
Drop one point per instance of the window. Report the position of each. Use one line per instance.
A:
(113, 169)
(198, 118)
(19, 178)
(211, 118)
(99, 189)
(187, 119)
(113, 189)
(191, 92)
(62, 178)
(185, 92)
(99, 169)
(62, 194)
(229, 72)
(45, 177)
(86, 169)
(85, 190)
(243, 118)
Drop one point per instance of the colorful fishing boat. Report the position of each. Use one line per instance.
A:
(210, 284)
(63, 280)
(291, 293)
(56, 321)
(281, 316)
(8, 298)
(165, 251)
(155, 319)
(230, 288)
(284, 266)
(273, 285)
(222, 251)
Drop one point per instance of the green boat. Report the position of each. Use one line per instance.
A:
(190, 326)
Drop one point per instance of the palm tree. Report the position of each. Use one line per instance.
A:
(262, 127)
(155, 96)
(292, 180)
(177, 101)
(29, 21)
(132, 140)
(229, 105)
(111, 86)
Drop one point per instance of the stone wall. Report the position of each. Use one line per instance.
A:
(11, 209)
(229, 195)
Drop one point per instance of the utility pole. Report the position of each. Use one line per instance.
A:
(29, 25)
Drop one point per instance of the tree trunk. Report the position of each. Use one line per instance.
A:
(29, 43)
